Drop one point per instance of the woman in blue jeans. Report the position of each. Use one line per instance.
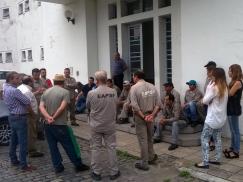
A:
(234, 110)
(216, 98)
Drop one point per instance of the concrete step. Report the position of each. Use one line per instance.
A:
(188, 129)
(185, 140)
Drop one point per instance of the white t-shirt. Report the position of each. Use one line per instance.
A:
(26, 90)
(217, 107)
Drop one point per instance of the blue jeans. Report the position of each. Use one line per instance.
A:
(235, 133)
(19, 136)
(207, 133)
(81, 104)
(190, 111)
(59, 133)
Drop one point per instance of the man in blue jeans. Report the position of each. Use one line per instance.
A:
(53, 106)
(192, 96)
(18, 105)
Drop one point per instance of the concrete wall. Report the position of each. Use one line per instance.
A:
(210, 30)
(65, 44)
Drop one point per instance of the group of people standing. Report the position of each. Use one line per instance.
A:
(101, 99)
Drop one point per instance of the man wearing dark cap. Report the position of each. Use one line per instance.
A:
(192, 96)
(210, 66)
(168, 89)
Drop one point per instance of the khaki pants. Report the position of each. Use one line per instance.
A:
(71, 108)
(144, 131)
(32, 132)
(96, 151)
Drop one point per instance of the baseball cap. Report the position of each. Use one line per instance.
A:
(210, 63)
(168, 84)
(126, 83)
(191, 82)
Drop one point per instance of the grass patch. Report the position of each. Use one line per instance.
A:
(185, 174)
(167, 180)
(126, 155)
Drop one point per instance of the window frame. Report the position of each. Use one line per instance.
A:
(6, 57)
(29, 52)
(4, 16)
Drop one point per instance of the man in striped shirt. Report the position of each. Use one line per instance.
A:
(18, 105)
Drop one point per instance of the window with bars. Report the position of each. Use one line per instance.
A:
(26, 6)
(164, 3)
(1, 57)
(21, 9)
(30, 55)
(112, 11)
(130, 7)
(168, 48)
(9, 58)
(42, 56)
(23, 58)
(6, 13)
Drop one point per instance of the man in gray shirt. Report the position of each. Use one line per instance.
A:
(53, 106)
(102, 104)
(145, 103)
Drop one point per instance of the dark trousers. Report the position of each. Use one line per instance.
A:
(19, 136)
(59, 133)
(118, 80)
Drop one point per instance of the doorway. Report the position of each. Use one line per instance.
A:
(141, 48)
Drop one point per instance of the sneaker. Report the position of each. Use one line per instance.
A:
(28, 168)
(59, 170)
(74, 124)
(36, 154)
(138, 165)
(96, 177)
(115, 176)
(153, 161)
(173, 147)
(83, 167)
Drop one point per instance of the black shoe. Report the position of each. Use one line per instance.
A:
(36, 154)
(122, 121)
(153, 161)
(157, 140)
(74, 124)
(132, 125)
(173, 147)
(214, 162)
(141, 167)
(115, 176)
(82, 168)
(59, 170)
(96, 177)
(16, 163)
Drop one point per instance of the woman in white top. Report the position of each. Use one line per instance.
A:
(216, 98)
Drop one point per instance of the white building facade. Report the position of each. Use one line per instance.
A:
(169, 39)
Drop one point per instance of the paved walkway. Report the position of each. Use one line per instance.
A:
(230, 169)
(164, 170)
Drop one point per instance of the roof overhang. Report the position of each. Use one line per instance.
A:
(59, 1)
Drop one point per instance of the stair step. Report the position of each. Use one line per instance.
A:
(188, 129)
(185, 140)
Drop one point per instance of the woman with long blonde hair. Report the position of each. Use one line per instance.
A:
(234, 110)
(216, 98)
